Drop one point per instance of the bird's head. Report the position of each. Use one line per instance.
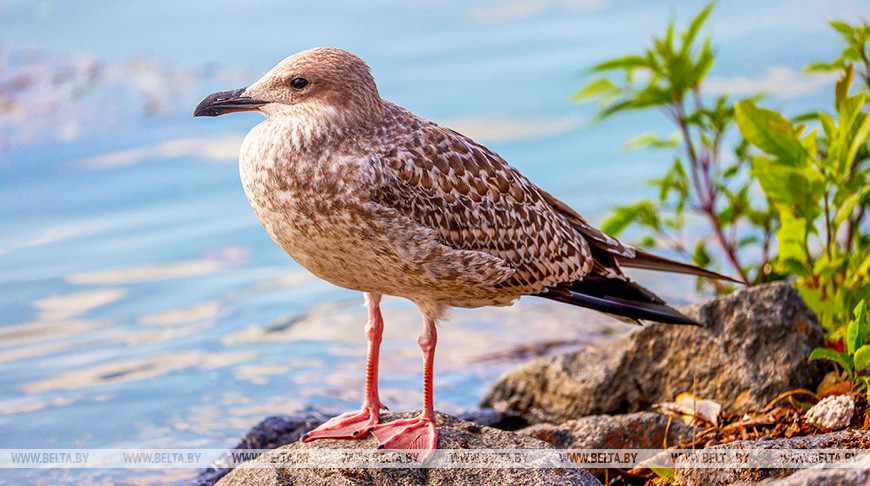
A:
(321, 85)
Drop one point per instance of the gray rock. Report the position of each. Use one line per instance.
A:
(278, 430)
(613, 432)
(453, 434)
(754, 346)
(829, 477)
(844, 439)
(270, 433)
(641, 430)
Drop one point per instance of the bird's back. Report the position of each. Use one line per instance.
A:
(476, 201)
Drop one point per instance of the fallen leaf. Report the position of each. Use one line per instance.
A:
(833, 384)
(691, 409)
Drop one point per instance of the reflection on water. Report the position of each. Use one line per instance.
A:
(199, 312)
(60, 307)
(136, 369)
(38, 331)
(145, 273)
(141, 302)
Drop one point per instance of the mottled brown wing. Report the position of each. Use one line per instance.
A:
(476, 201)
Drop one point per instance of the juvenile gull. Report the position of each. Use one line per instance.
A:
(370, 197)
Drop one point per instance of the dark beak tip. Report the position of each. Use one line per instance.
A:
(204, 108)
(217, 104)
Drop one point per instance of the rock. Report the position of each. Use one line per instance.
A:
(816, 475)
(833, 412)
(753, 347)
(454, 434)
(280, 430)
(844, 439)
(270, 433)
(488, 417)
(613, 432)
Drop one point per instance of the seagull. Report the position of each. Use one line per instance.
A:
(370, 197)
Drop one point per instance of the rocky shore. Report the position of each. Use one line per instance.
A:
(752, 350)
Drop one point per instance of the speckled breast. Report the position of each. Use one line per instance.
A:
(315, 208)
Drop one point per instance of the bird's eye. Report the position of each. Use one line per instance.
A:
(299, 83)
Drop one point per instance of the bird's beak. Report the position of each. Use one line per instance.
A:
(226, 102)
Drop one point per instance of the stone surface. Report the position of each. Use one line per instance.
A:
(454, 434)
(488, 417)
(754, 346)
(270, 433)
(641, 430)
(844, 439)
(816, 475)
(833, 412)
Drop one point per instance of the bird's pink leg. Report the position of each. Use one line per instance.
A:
(353, 425)
(417, 436)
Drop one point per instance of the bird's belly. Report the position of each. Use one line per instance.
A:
(332, 252)
(342, 243)
(327, 233)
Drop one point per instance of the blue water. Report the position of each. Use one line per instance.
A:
(141, 302)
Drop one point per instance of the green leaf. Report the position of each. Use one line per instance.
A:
(696, 24)
(831, 355)
(841, 89)
(825, 66)
(730, 172)
(847, 207)
(704, 63)
(652, 96)
(805, 117)
(860, 313)
(795, 189)
(862, 358)
(597, 88)
(769, 131)
(856, 333)
(644, 213)
(701, 257)
(647, 242)
(828, 124)
(792, 238)
(860, 268)
(627, 63)
(749, 240)
(667, 474)
(809, 143)
(842, 27)
(651, 140)
(858, 138)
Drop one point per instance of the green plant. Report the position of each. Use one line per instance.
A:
(820, 192)
(855, 355)
(857, 40)
(702, 180)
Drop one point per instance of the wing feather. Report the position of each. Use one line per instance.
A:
(475, 200)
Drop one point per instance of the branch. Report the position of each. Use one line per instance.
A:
(706, 204)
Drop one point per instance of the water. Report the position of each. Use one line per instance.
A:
(143, 305)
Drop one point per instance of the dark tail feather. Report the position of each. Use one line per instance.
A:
(618, 297)
(649, 261)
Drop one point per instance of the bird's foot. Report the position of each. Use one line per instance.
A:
(351, 425)
(417, 437)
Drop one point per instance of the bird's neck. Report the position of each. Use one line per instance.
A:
(315, 129)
